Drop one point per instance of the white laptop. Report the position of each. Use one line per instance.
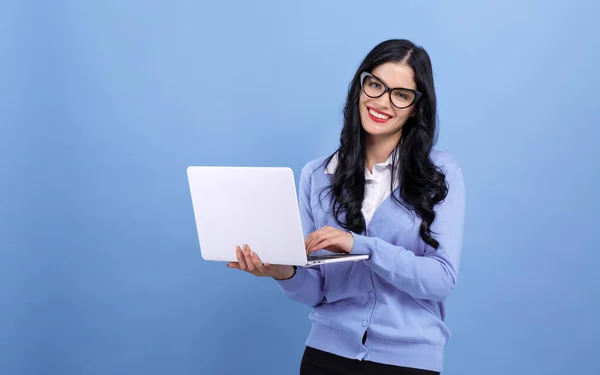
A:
(257, 206)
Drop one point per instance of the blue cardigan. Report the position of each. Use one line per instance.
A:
(397, 296)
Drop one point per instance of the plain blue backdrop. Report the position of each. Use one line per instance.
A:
(104, 104)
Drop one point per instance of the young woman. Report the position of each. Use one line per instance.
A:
(387, 193)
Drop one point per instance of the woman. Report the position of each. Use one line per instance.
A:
(386, 193)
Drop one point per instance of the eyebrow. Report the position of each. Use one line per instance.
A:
(391, 88)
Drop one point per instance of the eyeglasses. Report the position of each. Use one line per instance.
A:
(399, 97)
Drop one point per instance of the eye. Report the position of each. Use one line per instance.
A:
(402, 95)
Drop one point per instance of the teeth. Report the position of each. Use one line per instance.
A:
(378, 115)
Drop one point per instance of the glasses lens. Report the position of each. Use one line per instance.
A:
(373, 87)
(402, 98)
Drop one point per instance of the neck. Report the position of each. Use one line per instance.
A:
(379, 150)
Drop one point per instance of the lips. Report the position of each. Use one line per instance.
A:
(378, 116)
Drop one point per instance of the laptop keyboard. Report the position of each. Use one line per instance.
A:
(321, 257)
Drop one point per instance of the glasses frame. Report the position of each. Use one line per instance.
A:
(363, 75)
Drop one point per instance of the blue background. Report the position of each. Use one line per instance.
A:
(104, 104)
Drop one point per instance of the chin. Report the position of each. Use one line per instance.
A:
(373, 128)
(390, 128)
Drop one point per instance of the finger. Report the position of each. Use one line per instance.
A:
(248, 259)
(330, 244)
(308, 240)
(235, 265)
(311, 246)
(312, 238)
(241, 259)
(318, 236)
(316, 244)
(257, 263)
(333, 242)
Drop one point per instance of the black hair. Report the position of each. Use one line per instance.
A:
(422, 184)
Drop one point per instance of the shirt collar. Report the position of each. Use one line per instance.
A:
(332, 166)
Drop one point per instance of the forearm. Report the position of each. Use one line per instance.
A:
(428, 277)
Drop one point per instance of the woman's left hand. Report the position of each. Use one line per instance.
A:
(329, 238)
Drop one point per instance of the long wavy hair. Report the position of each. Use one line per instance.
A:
(421, 184)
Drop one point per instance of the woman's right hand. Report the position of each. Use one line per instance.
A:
(250, 262)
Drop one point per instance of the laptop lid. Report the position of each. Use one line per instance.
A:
(257, 206)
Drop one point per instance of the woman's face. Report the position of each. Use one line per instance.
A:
(379, 117)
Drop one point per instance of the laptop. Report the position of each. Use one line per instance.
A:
(257, 206)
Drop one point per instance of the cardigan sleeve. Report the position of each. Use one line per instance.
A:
(433, 275)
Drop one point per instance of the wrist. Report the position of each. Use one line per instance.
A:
(351, 243)
(360, 244)
(288, 275)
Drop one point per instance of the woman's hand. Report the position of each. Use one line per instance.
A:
(248, 261)
(329, 238)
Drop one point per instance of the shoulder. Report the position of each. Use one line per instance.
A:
(315, 165)
(445, 161)
(313, 174)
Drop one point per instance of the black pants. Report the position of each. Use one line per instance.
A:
(317, 362)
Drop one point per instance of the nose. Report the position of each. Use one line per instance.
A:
(383, 101)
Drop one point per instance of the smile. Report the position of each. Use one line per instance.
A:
(378, 116)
